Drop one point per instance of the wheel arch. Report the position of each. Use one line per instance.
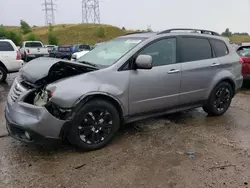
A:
(2, 65)
(93, 96)
(226, 79)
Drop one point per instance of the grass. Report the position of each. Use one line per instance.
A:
(69, 34)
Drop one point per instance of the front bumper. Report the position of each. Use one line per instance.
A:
(37, 121)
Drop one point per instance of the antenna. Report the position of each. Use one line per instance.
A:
(49, 8)
(90, 11)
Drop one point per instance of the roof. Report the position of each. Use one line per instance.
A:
(179, 31)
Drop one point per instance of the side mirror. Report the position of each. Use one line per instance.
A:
(144, 62)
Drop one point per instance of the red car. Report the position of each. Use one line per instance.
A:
(244, 53)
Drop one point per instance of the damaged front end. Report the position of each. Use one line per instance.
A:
(29, 110)
(59, 69)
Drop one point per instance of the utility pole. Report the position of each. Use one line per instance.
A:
(49, 8)
(90, 11)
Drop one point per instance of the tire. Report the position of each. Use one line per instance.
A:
(3, 74)
(87, 133)
(26, 59)
(219, 100)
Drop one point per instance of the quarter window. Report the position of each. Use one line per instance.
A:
(195, 49)
(220, 48)
(163, 52)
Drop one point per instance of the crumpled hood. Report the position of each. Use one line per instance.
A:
(40, 68)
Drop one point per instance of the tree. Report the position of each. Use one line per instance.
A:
(227, 33)
(52, 39)
(149, 29)
(32, 37)
(25, 27)
(2, 31)
(15, 36)
(123, 28)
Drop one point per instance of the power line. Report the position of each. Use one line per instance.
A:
(90, 11)
(49, 8)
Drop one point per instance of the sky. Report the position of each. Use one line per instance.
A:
(216, 15)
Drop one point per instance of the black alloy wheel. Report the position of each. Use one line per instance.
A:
(219, 100)
(94, 125)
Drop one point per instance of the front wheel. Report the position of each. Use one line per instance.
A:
(219, 99)
(95, 125)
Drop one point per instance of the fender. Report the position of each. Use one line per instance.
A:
(84, 98)
(223, 75)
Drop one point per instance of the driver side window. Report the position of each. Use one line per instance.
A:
(163, 52)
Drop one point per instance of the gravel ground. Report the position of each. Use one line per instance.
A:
(150, 153)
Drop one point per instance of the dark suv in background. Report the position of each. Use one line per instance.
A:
(64, 52)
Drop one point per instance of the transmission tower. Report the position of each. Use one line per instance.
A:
(90, 11)
(49, 8)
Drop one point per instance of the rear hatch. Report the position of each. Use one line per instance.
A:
(36, 48)
(244, 53)
(64, 51)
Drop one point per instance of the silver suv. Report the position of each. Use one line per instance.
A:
(129, 78)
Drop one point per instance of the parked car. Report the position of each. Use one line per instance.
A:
(33, 49)
(244, 53)
(80, 47)
(64, 52)
(77, 55)
(53, 52)
(50, 47)
(10, 58)
(129, 78)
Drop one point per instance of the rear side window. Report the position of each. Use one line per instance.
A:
(220, 48)
(194, 49)
(6, 46)
(33, 45)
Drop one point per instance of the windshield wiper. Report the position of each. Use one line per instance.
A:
(88, 63)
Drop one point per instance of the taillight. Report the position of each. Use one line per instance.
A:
(241, 61)
(18, 55)
(28, 51)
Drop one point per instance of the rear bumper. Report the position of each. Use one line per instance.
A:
(37, 55)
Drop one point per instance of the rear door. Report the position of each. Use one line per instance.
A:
(198, 68)
(8, 56)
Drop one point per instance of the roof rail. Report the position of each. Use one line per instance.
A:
(138, 32)
(202, 31)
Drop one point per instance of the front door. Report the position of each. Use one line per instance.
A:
(157, 88)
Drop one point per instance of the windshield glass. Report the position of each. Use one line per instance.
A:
(244, 51)
(111, 51)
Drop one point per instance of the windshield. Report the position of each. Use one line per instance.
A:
(111, 51)
(244, 51)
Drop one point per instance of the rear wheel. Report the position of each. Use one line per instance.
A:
(3, 74)
(95, 125)
(219, 100)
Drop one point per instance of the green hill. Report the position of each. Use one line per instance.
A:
(69, 34)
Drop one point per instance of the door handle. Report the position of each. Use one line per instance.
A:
(172, 71)
(215, 64)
